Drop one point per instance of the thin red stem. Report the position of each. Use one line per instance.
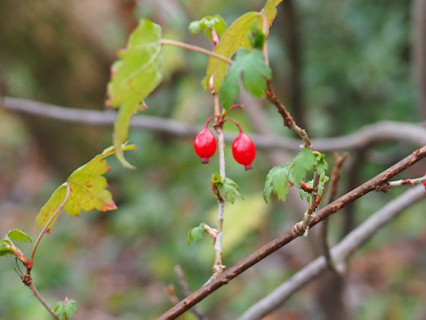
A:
(210, 119)
(236, 123)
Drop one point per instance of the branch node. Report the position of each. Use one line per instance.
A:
(384, 187)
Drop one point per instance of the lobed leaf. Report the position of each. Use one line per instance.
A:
(234, 38)
(254, 70)
(87, 190)
(303, 163)
(196, 234)
(229, 190)
(206, 23)
(65, 309)
(18, 235)
(277, 181)
(320, 164)
(133, 78)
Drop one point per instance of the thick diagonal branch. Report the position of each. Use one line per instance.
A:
(342, 251)
(289, 236)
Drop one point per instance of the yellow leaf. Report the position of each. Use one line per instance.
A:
(87, 190)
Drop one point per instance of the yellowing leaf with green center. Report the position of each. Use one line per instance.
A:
(271, 10)
(138, 72)
(87, 190)
(234, 38)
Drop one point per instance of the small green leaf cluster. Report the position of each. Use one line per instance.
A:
(227, 187)
(6, 245)
(196, 234)
(256, 37)
(206, 24)
(321, 188)
(279, 179)
(65, 309)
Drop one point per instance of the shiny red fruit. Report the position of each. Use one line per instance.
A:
(244, 150)
(205, 145)
(424, 183)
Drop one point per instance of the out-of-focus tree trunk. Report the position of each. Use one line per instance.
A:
(288, 24)
(330, 295)
(419, 53)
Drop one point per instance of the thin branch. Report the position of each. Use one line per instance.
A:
(196, 49)
(43, 231)
(382, 131)
(411, 182)
(170, 290)
(342, 251)
(302, 227)
(42, 301)
(288, 119)
(185, 289)
(332, 195)
(289, 236)
(218, 266)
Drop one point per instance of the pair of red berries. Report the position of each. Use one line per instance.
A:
(243, 148)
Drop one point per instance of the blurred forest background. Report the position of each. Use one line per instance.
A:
(338, 66)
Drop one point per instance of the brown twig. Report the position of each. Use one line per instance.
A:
(332, 195)
(342, 251)
(289, 236)
(302, 227)
(170, 290)
(31, 286)
(288, 119)
(411, 133)
(185, 289)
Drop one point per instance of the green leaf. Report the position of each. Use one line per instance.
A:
(257, 38)
(320, 164)
(65, 309)
(321, 188)
(304, 194)
(217, 180)
(303, 163)
(234, 38)
(277, 181)
(206, 23)
(18, 235)
(133, 78)
(196, 234)
(228, 189)
(254, 70)
(88, 190)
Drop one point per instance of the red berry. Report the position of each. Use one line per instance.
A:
(244, 150)
(205, 145)
(424, 183)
